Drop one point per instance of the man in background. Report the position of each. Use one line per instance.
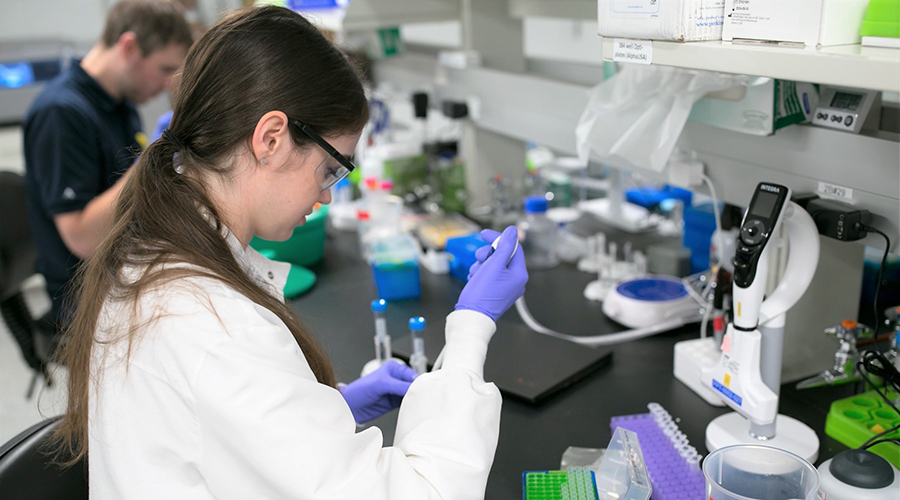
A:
(83, 133)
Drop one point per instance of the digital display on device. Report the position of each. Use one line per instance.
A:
(764, 204)
(845, 100)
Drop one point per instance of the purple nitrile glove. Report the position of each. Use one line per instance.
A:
(379, 392)
(493, 285)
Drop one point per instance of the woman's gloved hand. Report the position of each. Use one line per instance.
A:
(493, 285)
(379, 392)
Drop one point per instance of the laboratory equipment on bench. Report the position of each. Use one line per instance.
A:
(855, 474)
(855, 420)
(621, 475)
(595, 254)
(757, 472)
(673, 465)
(611, 270)
(395, 267)
(848, 109)
(747, 376)
(418, 361)
(676, 318)
(573, 484)
(382, 339)
(848, 333)
(461, 251)
(648, 300)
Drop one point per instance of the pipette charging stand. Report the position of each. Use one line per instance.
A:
(786, 433)
(753, 356)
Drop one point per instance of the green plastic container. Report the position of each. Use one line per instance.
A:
(851, 421)
(573, 484)
(882, 19)
(305, 247)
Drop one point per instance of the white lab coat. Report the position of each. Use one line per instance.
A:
(217, 402)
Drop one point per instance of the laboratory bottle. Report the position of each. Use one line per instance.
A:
(538, 235)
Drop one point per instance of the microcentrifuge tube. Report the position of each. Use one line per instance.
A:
(382, 339)
(418, 361)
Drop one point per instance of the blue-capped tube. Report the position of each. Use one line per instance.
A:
(382, 339)
(418, 361)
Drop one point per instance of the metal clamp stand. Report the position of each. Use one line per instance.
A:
(844, 369)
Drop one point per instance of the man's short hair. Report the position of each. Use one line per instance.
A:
(157, 23)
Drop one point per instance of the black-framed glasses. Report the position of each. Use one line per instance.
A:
(327, 175)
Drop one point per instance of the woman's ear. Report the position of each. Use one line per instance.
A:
(271, 137)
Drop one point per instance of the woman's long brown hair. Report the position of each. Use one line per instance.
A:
(253, 61)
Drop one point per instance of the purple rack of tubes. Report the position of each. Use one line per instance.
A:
(672, 463)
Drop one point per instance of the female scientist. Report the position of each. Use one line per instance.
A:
(189, 378)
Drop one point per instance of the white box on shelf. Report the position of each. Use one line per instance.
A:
(767, 105)
(810, 22)
(673, 20)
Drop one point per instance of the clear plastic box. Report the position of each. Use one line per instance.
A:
(622, 474)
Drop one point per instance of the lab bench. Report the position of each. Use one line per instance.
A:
(533, 436)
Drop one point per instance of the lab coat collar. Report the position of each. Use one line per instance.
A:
(272, 273)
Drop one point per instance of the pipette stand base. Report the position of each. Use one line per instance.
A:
(791, 435)
(630, 218)
(691, 358)
(374, 364)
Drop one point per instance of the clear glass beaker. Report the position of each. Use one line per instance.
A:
(755, 472)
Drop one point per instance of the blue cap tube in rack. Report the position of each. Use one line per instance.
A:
(382, 339)
(417, 360)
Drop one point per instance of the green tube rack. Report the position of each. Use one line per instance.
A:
(854, 420)
(573, 484)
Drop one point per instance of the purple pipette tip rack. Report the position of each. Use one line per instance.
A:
(672, 463)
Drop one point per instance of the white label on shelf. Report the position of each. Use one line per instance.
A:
(632, 51)
(833, 191)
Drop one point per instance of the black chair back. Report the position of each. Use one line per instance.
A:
(17, 250)
(25, 471)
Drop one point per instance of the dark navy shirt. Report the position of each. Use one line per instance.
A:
(78, 142)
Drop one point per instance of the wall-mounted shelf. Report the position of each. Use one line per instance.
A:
(569, 9)
(374, 14)
(845, 65)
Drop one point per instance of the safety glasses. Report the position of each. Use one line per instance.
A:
(327, 173)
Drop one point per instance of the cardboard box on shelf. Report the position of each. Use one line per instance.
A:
(767, 106)
(671, 20)
(810, 22)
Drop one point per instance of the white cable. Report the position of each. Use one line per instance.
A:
(597, 340)
(678, 320)
(720, 249)
(601, 340)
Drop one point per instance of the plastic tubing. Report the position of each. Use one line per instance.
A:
(603, 340)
